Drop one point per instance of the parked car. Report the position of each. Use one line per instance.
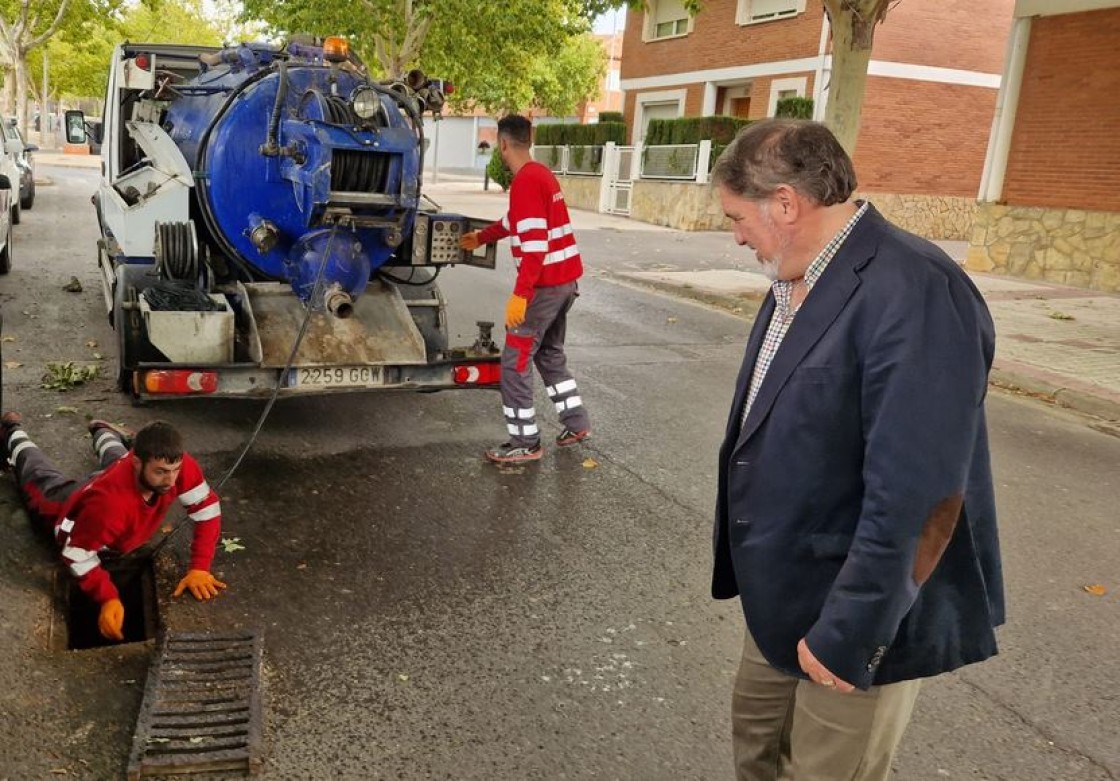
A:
(17, 166)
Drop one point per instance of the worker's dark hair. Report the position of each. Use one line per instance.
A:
(801, 154)
(158, 439)
(517, 129)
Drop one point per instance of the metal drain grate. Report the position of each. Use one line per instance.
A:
(201, 711)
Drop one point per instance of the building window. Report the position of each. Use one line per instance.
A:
(756, 11)
(667, 19)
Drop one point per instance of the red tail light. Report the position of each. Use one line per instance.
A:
(478, 374)
(143, 61)
(179, 382)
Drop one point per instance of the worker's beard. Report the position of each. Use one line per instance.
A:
(146, 486)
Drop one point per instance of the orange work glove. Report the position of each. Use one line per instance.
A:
(111, 621)
(202, 584)
(515, 311)
(469, 241)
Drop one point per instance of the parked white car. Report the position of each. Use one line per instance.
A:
(9, 197)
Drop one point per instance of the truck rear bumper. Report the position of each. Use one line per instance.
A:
(163, 381)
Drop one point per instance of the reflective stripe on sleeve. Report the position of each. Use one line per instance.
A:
(535, 246)
(561, 232)
(207, 512)
(532, 223)
(82, 561)
(195, 495)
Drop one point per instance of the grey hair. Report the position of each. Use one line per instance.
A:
(803, 155)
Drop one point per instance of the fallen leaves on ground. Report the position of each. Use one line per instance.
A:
(232, 544)
(1096, 589)
(12, 364)
(1060, 316)
(73, 286)
(66, 410)
(68, 375)
(590, 463)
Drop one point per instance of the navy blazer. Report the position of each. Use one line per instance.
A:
(855, 505)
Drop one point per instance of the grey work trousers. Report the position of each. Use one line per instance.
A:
(539, 341)
(43, 486)
(789, 729)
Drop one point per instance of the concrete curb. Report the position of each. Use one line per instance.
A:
(1009, 376)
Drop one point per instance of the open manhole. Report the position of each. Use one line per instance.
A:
(201, 709)
(136, 584)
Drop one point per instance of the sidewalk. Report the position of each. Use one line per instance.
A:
(1056, 343)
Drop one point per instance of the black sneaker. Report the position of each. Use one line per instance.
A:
(514, 454)
(568, 437)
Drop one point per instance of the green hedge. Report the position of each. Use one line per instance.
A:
(498, 172)
(795, 108)
(611, 116)
(693, 130)
(580, 135)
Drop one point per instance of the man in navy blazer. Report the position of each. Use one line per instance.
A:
(855, 518)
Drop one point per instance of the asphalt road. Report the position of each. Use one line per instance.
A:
(429, 616)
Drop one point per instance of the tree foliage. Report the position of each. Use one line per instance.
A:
(500, 56)
(79, 54)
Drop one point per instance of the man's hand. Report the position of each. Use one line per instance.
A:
(201, 583)
(469, 241)
(515, 311)
(817, 672)
(111, 621)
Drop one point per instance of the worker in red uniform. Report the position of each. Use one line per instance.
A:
(119, 508)
(548, 265)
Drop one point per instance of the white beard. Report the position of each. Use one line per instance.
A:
(770, 268)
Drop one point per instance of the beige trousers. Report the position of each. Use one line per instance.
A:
(789, 729)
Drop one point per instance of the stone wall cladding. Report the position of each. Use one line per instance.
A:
(1065, 246)
(695, 207)
(1065, 149)
(581, 192)
(936, 217)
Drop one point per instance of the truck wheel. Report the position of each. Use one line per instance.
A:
(29, 201)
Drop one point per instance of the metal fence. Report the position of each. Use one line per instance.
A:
(571, 160)
(675, 161)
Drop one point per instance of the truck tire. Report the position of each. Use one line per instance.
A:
(29, 201)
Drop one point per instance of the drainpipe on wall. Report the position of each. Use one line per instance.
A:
(708, 108)
(1007, 105)
(818, 77)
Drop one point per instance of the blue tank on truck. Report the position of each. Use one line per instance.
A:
(230, 175)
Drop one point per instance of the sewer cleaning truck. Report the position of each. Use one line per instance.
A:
(263, 228)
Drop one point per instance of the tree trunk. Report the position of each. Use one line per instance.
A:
(851, 52)
(9, 94)
(19, 76)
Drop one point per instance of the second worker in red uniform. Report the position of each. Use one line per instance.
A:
(548, 265)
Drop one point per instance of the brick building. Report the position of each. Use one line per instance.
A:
(931, 93)
(610, 89)
(1050, 197)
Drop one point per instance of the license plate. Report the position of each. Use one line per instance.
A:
(335, 377)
